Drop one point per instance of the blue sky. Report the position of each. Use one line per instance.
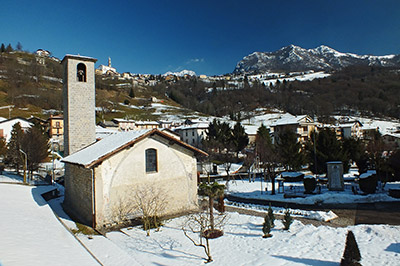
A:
(208, 37)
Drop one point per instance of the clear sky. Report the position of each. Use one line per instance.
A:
(208, 37)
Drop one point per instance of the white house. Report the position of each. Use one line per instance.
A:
(109, 171)
(7, 125)
(193, 134)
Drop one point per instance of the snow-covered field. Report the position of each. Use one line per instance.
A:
(31, 235)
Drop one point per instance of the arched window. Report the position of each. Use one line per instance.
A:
(151, 160)
(81, 72)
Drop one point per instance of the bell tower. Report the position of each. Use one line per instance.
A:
(79, 102)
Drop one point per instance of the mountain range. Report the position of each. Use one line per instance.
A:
(295, 58)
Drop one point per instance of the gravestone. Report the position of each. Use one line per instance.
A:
(335, 176)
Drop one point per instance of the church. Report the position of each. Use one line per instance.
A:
(102, 176)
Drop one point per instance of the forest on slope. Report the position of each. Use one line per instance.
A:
(362, 90)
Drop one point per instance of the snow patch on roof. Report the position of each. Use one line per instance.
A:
(94, 152)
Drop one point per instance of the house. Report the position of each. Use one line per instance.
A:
(43, 53)
(351, 129)
(102, 176)
(56, 126)
(193, 134)
(107, 172)
(7, 125)
(127, 124)
(302, 125)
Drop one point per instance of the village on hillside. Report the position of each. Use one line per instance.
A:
(184, 189)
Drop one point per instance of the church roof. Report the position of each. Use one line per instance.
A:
(103, 149)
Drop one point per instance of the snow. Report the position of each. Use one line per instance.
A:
(28, 222)
(245, 189)
(103, 147)
(242, 244)
(181, 73)
(30, 233)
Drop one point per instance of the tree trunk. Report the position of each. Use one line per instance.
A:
(211, 207)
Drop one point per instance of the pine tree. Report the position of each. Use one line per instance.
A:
(239, 138)
(2, 48)
(291, 151)
(35, 144)
(266, 227)
(271, 216)
(19, 46)
(9, 48)
(351, 255)
(14, 156)
(287, 220)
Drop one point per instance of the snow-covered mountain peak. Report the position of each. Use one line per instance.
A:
(295, 58)
(181, 73)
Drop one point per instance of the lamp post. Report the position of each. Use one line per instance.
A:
(25, 165)
(53, 157)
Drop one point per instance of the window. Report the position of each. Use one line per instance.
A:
(81, 72)
(151, 160)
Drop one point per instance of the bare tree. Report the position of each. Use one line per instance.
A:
(146, 202)
(200, 224)
(150, 202)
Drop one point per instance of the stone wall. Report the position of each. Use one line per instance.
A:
(79, 104)
(78, 193)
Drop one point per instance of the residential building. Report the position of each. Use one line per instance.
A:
(302, 125)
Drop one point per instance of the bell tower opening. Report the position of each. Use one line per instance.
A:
(81, 72)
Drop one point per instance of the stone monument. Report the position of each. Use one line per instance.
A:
(335, 176)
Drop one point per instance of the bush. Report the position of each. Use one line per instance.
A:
(266, 227)
(287, 220)
(271, 216)
(309, 185)
(126, 102)
(368, 184)
(351, 255)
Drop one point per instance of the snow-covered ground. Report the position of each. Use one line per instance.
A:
(31, 235)
(30, 232)
(242, 244)
(257, 190)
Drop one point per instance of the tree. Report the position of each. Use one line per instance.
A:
(271, 216)
(267, 227)
(377, 151)
(36, 146)
(325, 147)
(351, 255)
(287, 220)
(2, 48)
(14, 157)
(356, 152)
(19, 46)
(239, 138)
(291, 151)
(150, 202)
(212, 191)
(199, 224)
(9, 48)
(267, 155)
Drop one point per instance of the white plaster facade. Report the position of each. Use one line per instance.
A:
(117, 174)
